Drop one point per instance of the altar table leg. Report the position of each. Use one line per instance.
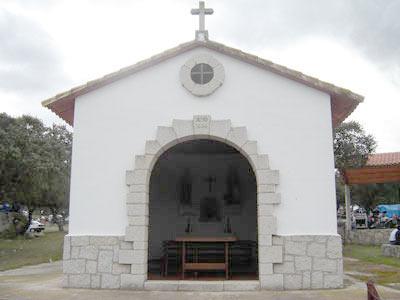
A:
(226, 260)
(183, 259)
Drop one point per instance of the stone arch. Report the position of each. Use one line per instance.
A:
(137, 201)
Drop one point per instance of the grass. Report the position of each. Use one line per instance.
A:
(368, 263)
(18, 252)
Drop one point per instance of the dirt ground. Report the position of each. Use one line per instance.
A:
(44, 282)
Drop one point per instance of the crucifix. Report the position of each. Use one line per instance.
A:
(202, 33)
(210, 180)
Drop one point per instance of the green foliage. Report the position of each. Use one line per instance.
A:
(17, 226)
(34, 163)
(351, 146)
(370, 195)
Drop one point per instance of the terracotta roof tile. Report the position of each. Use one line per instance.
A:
(383, 159)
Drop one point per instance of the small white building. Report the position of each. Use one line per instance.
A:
(203, 141)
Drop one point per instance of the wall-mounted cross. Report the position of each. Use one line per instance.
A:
(202, 11)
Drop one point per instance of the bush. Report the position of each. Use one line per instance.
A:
(17, 226)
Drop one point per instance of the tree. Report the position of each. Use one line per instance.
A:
(34, 163)
(351, 146)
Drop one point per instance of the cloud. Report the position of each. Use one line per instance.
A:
(29, 63)
(370, 26)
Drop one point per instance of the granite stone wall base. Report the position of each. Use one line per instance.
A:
(93, 261)
(109, 262)
(309, 262)
(390, 250)
(369, 236)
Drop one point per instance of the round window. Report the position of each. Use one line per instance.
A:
(202, 73)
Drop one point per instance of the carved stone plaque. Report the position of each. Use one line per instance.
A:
(201, 124)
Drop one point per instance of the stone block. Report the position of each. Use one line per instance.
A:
(266, 188)
(65, 281)
(317, 280)
(135, 188)
(125, 256)
(132, 281)
(75, 252)
(104, 240)
(109, 281)
(324, 264)
(302, 263)
(152, 147)
(270, 254)
(201, 286)
(135, 198)
(75, 266)
(320, 238)
(116, 253)
(220, 128)
(126, 245)
(136, 233)
(67, 248)
(333, 281)
(267, 225)
(166, 136)
(250, 148)
(277, 240)
(301, 238)
(183, 128)
(138, 220)
(139, 176)
(316, 250)
(268, 198)
(139, 256)
(265, 209)
(271, 282)
(82, 240)
(105, 261)
(120, 269)
(137, 209)
(141, 245)
(295, 248)
(91, 266)
(265, 268)
(95, 281)
(267, 177)
(237, 135)
(241, 285)
(161, 285)
(306, 280)
(265, 239)
(88, 252)
(284, 268)
(79, 281)
(334, 247)
(129, 177)
(260, 162)
(143, 162)
(292, 281)
(139, 269)
(201, 124)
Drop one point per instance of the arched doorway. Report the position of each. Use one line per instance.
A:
(202, 188)
(137, 201)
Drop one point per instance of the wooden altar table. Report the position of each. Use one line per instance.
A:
(206, 266)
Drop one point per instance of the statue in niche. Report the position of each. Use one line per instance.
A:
(232, 197)
(185, 193)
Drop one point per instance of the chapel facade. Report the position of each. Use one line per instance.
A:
(203, 167)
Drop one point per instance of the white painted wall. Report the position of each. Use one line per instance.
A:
(290, 121)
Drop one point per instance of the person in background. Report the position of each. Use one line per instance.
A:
(394, 238)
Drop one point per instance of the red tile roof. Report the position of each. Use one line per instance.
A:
(383, 159)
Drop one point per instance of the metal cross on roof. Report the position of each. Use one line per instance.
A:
(202, 34)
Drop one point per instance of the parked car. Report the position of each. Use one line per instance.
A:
(35, 226)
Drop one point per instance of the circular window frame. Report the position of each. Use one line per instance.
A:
(208, 88)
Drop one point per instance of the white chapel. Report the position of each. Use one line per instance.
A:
(203, 167)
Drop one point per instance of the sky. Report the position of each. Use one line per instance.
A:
(48, 46)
